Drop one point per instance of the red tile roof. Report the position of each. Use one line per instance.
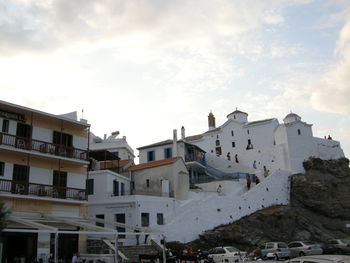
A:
(115, 163)
(153, 164)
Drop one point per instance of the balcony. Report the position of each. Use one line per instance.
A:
(42, 147)
(42, 190)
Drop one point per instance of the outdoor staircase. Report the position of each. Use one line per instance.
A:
(132, 252)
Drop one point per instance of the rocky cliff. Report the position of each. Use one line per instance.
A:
(319, 210)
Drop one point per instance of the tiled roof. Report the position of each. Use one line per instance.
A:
(193, 138)
(156, 144)
(115, 163)
(213, 130)
(259, 122)
(153, 164)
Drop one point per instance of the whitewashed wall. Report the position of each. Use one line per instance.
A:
(159, 152)
(103, 184)
(214, 210)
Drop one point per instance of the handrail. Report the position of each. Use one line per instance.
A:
(41, 146)
(42, 190)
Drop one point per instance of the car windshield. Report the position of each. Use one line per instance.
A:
(282, 245)
(232, 249)
(347, 241)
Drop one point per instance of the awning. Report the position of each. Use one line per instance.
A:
(69, 225)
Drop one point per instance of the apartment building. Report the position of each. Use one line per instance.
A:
(43, 172)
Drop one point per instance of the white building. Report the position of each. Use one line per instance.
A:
(43, 160)
(139, 199)
(181, 204)
(272, 144)
(237, 143)
(117, 146)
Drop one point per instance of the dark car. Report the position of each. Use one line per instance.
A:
(328, 248)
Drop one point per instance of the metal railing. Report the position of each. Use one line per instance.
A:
(42, 190)
(42, 147)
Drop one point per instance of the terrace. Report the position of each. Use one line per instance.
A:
(42, 147)
(41, 190)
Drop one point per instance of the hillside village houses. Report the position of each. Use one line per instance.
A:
(171, 194)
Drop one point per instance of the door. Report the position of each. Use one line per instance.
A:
(59, 184)
(24, 134)
(20, 179)
(120, 218)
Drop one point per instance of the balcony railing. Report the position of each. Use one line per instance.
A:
(42, 190)
(42, 147)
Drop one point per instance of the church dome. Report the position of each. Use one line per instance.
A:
(238, 115)
(291, 117)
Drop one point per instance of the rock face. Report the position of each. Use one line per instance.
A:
(319, 210)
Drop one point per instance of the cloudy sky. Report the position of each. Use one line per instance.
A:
(146, 67)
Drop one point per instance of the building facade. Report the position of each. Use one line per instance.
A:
(43, 169)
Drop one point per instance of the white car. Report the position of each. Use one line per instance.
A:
(226, 255)
(304, 248)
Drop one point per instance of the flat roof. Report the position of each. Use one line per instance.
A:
(23, 108)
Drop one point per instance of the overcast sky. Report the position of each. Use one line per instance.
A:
(146, 67)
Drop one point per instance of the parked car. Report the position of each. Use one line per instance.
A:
(304, 248)
(321, 259)
(342, 245)
(328, 248)
(226, 255)
(278, 250)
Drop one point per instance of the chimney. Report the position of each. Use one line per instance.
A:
(183, 133)
(211, 121)
(174, 143)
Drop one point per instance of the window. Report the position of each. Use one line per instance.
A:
(100, 217)
(232, 133)
(218, 150)
(90, 186)
(217, 142)
(59, 183)
(233, 144)
(120, 218)
(160, 219)
(2, 168)
(122, 189)
(151, 156)
(299, 132)
(269, 245)
(249, 141)
(5, 126)
(116, 154)
(24, 130)
(115, 188)
(20, 179)
(147, 183)
(62, 138)
(168, 153)
(217, 136)
(248, 131)
(132, 185)
(144, 219)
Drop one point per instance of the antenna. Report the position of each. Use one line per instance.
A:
(82, 113)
